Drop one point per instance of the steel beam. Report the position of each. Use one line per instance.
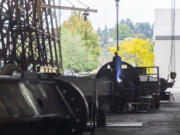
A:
(69, 8)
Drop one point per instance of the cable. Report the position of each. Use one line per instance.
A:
(70, 3)
(172, 63)
(173, 33)
(117, 9)
(172, 55)
(82, 3)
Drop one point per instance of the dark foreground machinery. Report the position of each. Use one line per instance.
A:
(141, 88)
(98, 94)
(164, 85)
(31, 104)
(149, 84)
(35, 104)
(104, 94)
(124, 92)
(138, 91)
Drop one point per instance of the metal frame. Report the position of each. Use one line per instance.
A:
(30, 40)
(69, 8)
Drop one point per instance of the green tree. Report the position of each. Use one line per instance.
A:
(71, 51)
(128, 29)
(124, 31)
(88, 37)
(74, 56)
(144, 29)
(104, 36)
(130, 24)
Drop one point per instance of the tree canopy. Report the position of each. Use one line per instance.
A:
(126, 29)
(137, 52)
(104, 35)
(145, 29)
(83, 41)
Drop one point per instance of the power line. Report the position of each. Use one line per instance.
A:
(70, 3)
(85, 5)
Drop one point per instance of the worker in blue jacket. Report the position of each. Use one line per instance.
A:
(118, 62)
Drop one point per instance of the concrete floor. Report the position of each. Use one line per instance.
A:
(165, 121)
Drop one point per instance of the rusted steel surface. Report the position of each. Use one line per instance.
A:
(30, 40)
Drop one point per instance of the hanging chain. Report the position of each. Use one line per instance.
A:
(172, 63)
(117, 9)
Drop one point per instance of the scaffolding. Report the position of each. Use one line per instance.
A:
(30, 38)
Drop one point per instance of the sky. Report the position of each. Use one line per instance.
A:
(136, 10)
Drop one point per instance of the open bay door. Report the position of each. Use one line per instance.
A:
(167, 38)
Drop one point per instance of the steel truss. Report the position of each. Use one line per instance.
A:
(30, 40)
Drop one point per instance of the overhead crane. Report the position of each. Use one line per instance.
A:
(40, 6)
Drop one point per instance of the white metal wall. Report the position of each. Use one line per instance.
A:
(162, 31)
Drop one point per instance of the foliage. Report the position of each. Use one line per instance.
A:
(145, 29)
(124, 31)
(130, 24)
(77, 25)
(138, 52)
(127, 29)
(71, 50)
(88, 43)
(141, 30)
(104, 35)
(74, 56)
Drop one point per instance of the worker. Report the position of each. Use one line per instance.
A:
(117, 64)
